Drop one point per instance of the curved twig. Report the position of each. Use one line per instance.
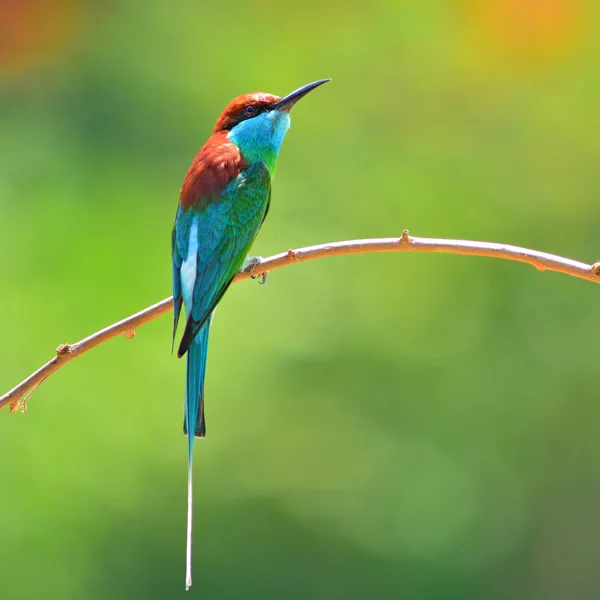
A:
(542, 261)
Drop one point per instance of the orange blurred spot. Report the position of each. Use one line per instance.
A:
(526, 31)
(30, 30)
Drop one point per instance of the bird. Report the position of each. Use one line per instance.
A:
(223, 202)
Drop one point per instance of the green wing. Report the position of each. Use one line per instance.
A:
(219, 237)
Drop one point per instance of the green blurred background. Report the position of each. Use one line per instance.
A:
(379, 426)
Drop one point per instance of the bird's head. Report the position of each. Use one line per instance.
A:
(257, 123)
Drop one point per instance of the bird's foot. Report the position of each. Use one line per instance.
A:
(250, 265)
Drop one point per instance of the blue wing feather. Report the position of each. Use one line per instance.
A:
(177, 253)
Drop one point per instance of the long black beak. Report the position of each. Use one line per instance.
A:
(288, 102)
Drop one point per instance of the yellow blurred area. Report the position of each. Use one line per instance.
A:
(34, 30)
(525, 34)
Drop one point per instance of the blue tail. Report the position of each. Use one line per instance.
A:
(194, 390)
(194, 420)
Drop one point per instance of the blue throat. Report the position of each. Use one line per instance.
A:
(260, 138)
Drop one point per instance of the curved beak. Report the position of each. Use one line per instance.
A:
(288, 102)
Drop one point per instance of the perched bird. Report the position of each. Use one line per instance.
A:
(223, 202)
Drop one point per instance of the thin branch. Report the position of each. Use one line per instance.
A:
(542, 261)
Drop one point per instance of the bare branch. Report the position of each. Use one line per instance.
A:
(542, 261)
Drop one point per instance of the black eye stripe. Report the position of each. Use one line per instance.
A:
(243, 115)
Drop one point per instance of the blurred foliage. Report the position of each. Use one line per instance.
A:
(412, 426)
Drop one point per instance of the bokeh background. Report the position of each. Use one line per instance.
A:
(379, 426)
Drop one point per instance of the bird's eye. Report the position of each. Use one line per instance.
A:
(250, 110)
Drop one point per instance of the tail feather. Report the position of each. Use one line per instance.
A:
(188, 544)
(194, 393)
(194, 421)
